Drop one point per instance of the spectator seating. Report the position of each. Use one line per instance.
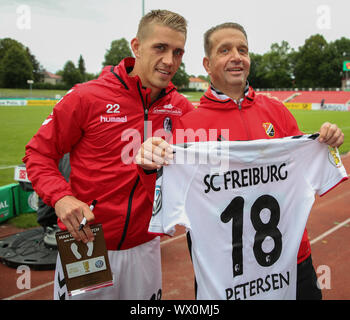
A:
(336, 97)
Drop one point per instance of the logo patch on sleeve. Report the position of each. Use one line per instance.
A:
(334, 158)
(157, 202)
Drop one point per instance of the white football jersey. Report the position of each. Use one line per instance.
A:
(245, 204)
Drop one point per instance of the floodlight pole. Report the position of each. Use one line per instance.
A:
(143, 7)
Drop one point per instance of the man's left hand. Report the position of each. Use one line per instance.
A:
(331, 135)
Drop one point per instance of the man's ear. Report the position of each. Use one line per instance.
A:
(135, 47)
(206, 64)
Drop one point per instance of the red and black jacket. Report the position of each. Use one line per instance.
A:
(102, 124)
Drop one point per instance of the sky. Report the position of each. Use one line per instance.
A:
(60, 30)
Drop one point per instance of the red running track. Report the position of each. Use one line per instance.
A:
(329, 232)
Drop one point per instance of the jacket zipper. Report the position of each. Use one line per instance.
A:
(145, 114)
(128, 213)
(145, 119)
(145, 126)
(146, 110)
(243, 120)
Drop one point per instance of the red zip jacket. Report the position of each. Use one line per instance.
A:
(256, 117)
(102, 123)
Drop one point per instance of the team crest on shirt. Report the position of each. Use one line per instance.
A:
(167, 124)
(157, 203)
(334, 158)
(269, 129)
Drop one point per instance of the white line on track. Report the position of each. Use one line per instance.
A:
(328, 232)
(18, 295)
(165, 242)
(29, 291)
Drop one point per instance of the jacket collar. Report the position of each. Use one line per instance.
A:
(221, 96)
(122, 70)
(214, 98)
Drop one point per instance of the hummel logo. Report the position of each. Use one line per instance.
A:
(113, 119)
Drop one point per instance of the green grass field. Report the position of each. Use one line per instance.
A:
(310, 121)
(26, 93)
(19, 124)
(193, 96)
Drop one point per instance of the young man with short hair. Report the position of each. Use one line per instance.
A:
(100, 122)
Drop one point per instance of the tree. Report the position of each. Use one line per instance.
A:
(332, 67)
(91, 76)
(82, 69)
(38, 70)
(255, 77)
(311, 62)
(119, 50)
(6, 44)
(276, 67)
(181, 78)
(71, 74)
(15, 68)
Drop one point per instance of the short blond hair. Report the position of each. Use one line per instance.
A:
(162, 17)
(226, 25)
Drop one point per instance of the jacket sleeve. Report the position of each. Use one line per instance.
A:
(57, 135)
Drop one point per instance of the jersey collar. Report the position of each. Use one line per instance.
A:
(221, 96)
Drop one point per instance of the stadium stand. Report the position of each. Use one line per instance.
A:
(284, 96)
(339, 97)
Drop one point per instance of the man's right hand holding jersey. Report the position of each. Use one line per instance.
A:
(71, 212)
(154, 153)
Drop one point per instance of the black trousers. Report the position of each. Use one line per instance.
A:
(307, 288)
